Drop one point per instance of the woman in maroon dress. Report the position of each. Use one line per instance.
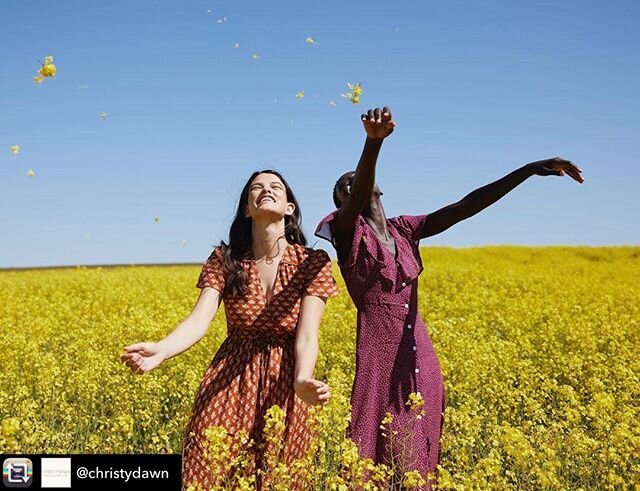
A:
(380, 261)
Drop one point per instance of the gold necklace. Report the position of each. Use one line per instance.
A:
(269, 259)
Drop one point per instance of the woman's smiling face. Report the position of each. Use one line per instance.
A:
(268, 195)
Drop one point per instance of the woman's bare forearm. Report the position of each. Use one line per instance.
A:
(484, 196)
(185, 335)
(307, 348)
(365, 176)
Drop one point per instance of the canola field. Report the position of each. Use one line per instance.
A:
(540, 350)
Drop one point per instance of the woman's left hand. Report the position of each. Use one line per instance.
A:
(556, 167)
(312, 391)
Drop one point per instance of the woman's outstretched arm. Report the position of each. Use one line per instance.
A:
(480, 198)
(145, 356)
(378, 124)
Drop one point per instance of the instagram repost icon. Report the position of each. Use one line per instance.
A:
(17, 473)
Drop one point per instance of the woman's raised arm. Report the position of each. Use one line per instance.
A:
(378, 124)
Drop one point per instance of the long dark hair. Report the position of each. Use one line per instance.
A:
(240, 239)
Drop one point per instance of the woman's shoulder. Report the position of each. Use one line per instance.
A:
(217, 254)
(304, 254)
(410, 225)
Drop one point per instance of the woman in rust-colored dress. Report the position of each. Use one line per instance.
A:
(274, 290)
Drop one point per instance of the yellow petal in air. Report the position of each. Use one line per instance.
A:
(103, 115)
(15, 149)
(300, 95)
(255, 56)
(48, 70)
(30, 173)
(354, 94)
(38, 79)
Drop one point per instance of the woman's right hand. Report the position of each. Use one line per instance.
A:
(378, 123)
(142, 357)
(312, 391)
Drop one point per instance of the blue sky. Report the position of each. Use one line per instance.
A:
(477, 90)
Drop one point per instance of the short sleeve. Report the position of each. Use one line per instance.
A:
(324, 230)
(412, 225)
(212, 273)
(319, 279)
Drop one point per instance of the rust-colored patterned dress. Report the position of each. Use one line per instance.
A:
(254, 367)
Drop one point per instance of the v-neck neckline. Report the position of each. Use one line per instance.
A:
(266, 299)
(395, 241)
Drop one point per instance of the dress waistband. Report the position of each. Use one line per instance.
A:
(261, 336)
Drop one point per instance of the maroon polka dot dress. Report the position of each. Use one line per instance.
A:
(254, 367)
(394, 353)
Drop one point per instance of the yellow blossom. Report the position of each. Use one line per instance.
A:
(413, 480)
(48, 70)
(355, 91)
(415, 401)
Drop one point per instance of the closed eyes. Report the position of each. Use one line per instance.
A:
(274, 185)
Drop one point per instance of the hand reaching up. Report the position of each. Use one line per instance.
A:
(378, 123)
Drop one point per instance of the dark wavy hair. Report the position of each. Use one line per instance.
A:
(240, 239)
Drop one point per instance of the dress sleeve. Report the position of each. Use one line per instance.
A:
(325, 230)
(319, 278)
(412, 225)
(212, 273)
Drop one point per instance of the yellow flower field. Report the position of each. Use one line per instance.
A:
(540, 348)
